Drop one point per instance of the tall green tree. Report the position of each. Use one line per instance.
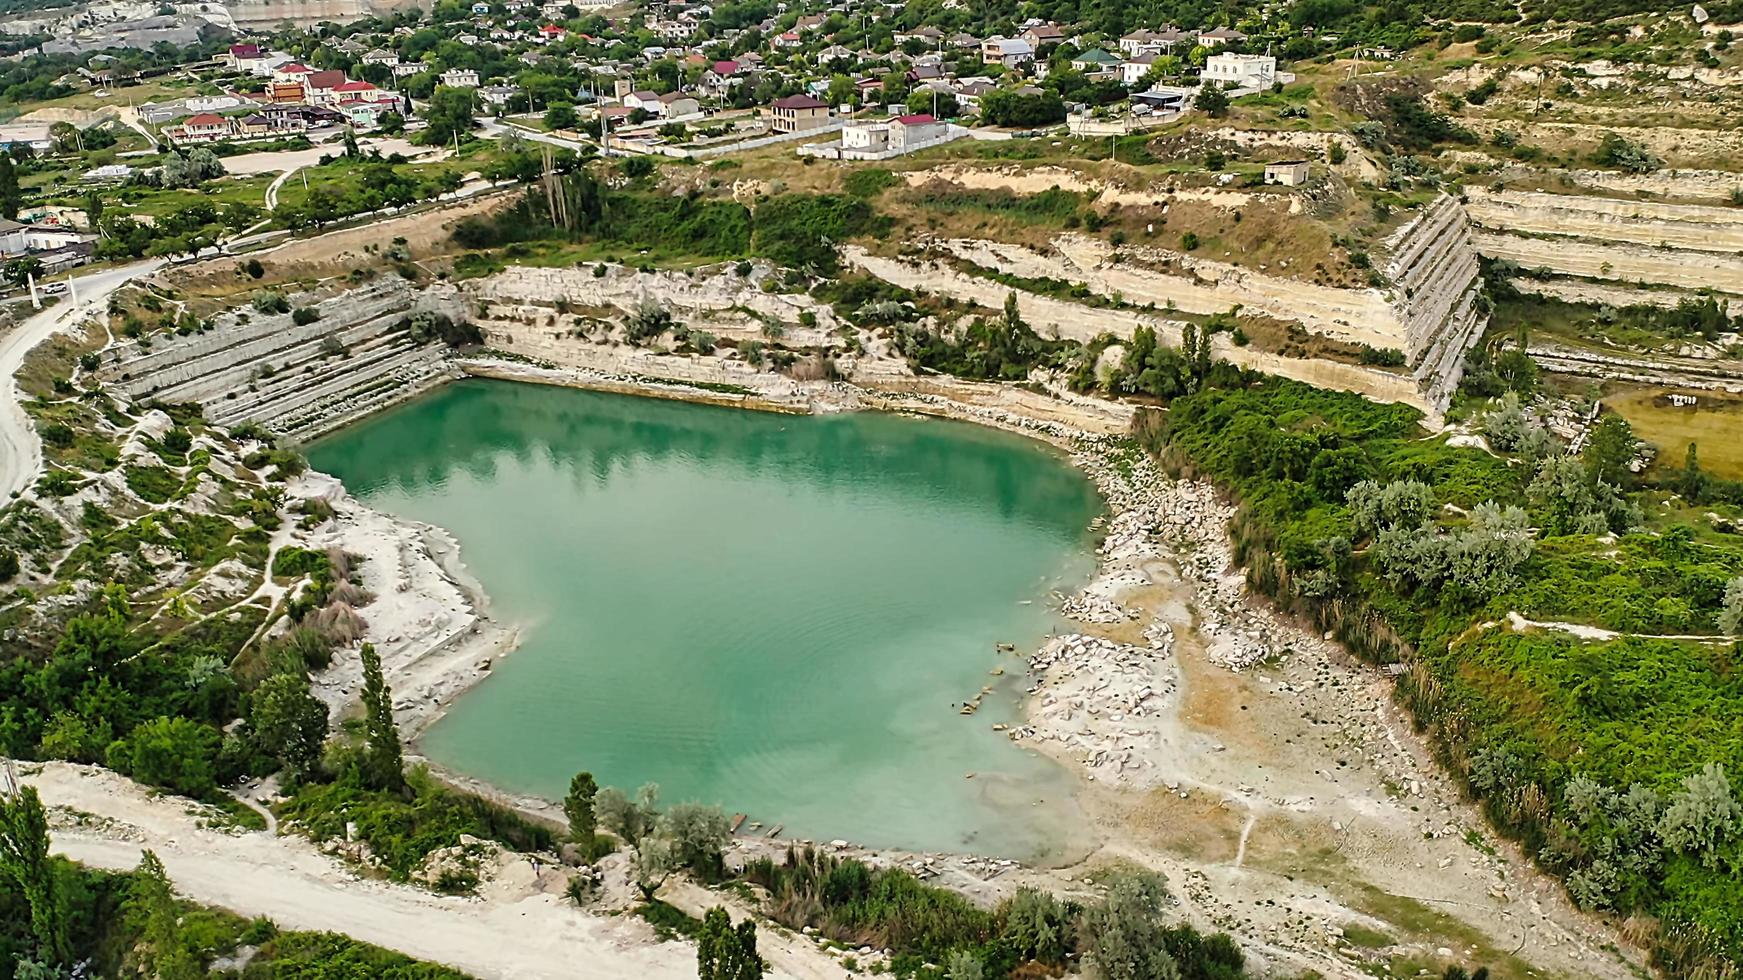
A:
(1610, 449)
(450, 115)
(11, 196)
(384, 767)
(24, 859)
(726, 952)
(578, 807)
(289, 722)
(1692, 482)
(152, 910)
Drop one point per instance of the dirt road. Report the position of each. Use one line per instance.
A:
(20, 450)
(520, 928)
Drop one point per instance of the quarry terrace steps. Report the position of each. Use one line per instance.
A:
(246, 337)
(336, 377)
(309, 389)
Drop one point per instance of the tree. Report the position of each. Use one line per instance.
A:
(578, 806)
(1401, 503)
(65, 136)
(176, 753)
(1008, 107)
(725, 952)
(1703, 817)
(1504, 426)
(627, 818)
(697, 832)
(1212, 100)
(561, 115)
(1731, 613)
(1124, 936)
(151, 909)
(655, 861)
(450, 115)
(24, 859)
(383, 766)
(1692, 482)
(390, 123)
(1609, 450)
(11, 196)
(1033, 923)
(18, 271)
(191, 169)
(288, 722)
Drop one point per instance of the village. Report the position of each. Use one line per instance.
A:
(847, 82)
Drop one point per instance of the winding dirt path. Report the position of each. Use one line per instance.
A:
(521, 928)
(20, 449)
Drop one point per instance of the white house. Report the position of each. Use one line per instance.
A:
(646, 101)
(460, 78)
(1008, 51)
(1289, 173)
(866, 137)
(1133, 69)
(1254, 71)
(1220, 36)
(914, 131)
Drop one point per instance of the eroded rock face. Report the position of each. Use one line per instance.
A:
(296, 379)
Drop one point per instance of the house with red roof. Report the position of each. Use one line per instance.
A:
(552, 32)
(206, 127)
(913, 131)
(360, 91)
(245, 57)
(294, 71)
(318, 86)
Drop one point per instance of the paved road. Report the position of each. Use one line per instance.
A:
(494, 129)
(20, 450)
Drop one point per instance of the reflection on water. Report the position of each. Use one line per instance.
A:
(779, 614)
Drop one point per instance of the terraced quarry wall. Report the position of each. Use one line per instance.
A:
(298, 380)
(1054, 317)
(1436, 295)
(1430, 311)
(1621, 242)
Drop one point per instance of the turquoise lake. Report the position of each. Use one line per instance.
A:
(779, 614)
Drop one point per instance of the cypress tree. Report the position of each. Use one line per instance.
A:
(24, 859)
(1693, 482)
(384, 768)
(578, 807)
(11, 197)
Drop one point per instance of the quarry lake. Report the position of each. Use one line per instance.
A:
(779, 614)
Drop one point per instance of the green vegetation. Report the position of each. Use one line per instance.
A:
(1604, 756)
(401, 829)
(799, 231)
(60, 915)
(725, 951)
(1031, 933)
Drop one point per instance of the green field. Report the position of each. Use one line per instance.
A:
(1714, 423)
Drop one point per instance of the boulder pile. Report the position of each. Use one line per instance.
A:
(1102, 702)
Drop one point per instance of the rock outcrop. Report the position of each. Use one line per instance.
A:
(298, 380)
